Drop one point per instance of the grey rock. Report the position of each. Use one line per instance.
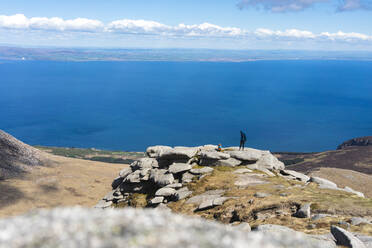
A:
(344, 224)
(208, 195)
(214, 155)
(183, 193)
(116, 183)
(249, 154)
(283, 194)
(155, 151)
(204, 170)
(176, 168)
(261, 194)
(358, 220)
(144, 163)
(266, 171)
(187, 177)
(321, 241)
(174, 185)
(177, 153)
(319, 216)
(133, 177)
(367, 240)
(125, 172)
(157, 200)
(230, 162)
(242, 171)
(219, 201)
(345, 238)
(323, 183)
(165, 192)
(100, 204)
(207, 204)
(297, 175)
(161, 177)
(350, 190)
(270, 162)
(150, 228)
(304, 211)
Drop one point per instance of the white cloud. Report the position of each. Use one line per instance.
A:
(278, 6)
(20, 21)
(146, 27)
(151, 27)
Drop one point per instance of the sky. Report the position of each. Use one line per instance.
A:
(215, 24)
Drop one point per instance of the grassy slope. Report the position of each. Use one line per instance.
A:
(323, 201)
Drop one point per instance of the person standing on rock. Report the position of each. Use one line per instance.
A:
(243, 139)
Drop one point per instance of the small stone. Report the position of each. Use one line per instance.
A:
(304, 211)
(319, 216)
(157, 200)
(283, 194)
(261, 194)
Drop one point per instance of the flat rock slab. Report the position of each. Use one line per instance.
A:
(230, 162)
(157, 200)
(208, 195)
(211, 202)
(358, 220)
(165, 192)
(295, 174)
(245, 180)
(304, 211)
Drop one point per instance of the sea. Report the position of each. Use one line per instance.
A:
(288, 106)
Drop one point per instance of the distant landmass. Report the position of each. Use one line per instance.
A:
(99, 54)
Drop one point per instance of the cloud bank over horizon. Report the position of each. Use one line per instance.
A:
(281, 6)
(148, 28)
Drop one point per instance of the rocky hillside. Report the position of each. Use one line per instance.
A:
(251, 189)
(361, 141)
(16, 157)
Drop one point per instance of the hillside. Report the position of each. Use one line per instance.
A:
(34, 179)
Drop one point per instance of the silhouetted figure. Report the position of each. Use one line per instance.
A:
(243, 139)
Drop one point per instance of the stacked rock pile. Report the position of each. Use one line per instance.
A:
(164, 173)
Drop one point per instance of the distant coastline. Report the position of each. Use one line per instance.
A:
(12, 53)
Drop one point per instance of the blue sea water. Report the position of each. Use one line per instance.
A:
(281, 105)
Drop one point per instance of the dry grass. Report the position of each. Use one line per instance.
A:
(276, 209)
(66, 182)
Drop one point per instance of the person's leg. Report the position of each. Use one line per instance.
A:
(240, 146)
(243, 145)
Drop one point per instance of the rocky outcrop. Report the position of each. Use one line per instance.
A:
(345, 238)
(360, 141)
(16, 157)
(326, 184)
(165, 167)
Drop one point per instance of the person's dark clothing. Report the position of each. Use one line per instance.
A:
(243, 139)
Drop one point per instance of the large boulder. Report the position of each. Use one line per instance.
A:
(320, 241)
(155, 151)
(270, 162)
(144, 163)
(345, 238)
(95, 228)
(323, 183)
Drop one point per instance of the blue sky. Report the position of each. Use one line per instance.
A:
(229, 24)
